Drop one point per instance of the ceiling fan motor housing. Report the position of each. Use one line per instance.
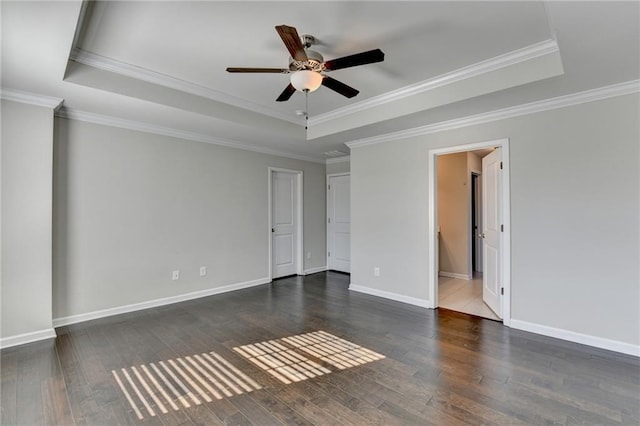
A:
(314, 62)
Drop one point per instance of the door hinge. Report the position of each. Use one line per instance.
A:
(501, 228)
(501, 165)
(328, 220)
(329, 187)
(328, 254)
(502, 291)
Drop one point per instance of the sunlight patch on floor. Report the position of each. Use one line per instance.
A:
(181, 382)
(300, 357)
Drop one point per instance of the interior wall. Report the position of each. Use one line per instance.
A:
(131, 207)
(575, 196)
(341, 167)
(474, 163)
(454, 214)
(27, 147)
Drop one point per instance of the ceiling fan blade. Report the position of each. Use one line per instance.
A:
(339, 87)
(291, 39)
(259, 70)
(286, 93)
(363, 58)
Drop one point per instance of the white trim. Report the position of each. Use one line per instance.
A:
(58, 322)
(139, 126)
(508, 59)
(315, 270)
(23, 339)
(30, 98)
(300, 228)
(454, 275)
(391, 296)
(144, 74)
(572, 336)
(506, 221)
(344, 159)
(614, 90)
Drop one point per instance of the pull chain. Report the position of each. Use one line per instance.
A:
(306, 109)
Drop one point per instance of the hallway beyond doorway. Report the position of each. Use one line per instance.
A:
(464, 296)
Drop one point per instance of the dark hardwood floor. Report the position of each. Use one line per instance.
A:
(440, 367)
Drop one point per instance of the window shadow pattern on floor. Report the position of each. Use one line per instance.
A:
(180, 383)
(161, 386)
(305, 356)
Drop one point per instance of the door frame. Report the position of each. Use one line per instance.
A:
(299, 219)
(473, 243)
(432, 235)
(327, 217)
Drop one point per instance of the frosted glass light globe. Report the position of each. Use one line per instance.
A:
(306, 80)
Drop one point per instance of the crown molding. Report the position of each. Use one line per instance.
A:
(31, 98)
(508, 59)
(510, 112)
(139, 126)
(344, 159)
(133, 71)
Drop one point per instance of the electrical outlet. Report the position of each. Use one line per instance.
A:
(376, 272)
(203, 271)
(176, 275)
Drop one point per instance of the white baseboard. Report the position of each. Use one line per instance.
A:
(315, 270)
(454, 275)
(22, 339)
(572, 336)
(392, 296)
(58, 322)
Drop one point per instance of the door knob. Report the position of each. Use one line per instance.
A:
(273, 229)
(481, 235)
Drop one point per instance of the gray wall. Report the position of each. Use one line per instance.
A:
(341, 167)
(130, 207)
(575, 190)
(27, 146)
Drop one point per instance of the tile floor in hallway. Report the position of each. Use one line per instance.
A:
(464, 296)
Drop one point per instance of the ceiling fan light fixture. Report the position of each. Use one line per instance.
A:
(305, 80)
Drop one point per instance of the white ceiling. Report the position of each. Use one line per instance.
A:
(163, 63)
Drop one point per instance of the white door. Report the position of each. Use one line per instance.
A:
(339, 223)
(491, 228)
(284, 204)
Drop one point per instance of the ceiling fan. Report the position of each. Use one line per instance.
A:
(306, 66)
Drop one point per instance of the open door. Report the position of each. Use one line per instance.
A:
(491, 231)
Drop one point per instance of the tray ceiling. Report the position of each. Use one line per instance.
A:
(163, 64)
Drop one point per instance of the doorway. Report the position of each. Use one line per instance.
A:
(339, 222)
(459, 267)
(285, 222)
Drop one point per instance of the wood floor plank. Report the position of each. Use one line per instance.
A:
(8, 387)
(440, 367)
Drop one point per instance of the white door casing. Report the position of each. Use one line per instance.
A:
(339, 223)
(491, 229)
(285, 226)
(432, 236)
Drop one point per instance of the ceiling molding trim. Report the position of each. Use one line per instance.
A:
(31, 98)
(508, 59)
(105, 120)
(133, 71)
(611, 91)
(336, 160)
